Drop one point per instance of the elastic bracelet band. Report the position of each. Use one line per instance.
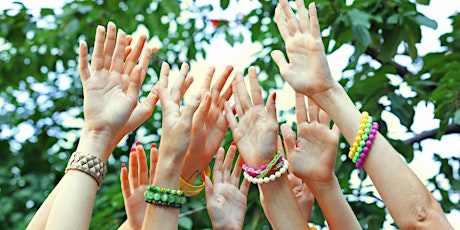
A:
(267, 179)
(88, 164)
(367, 147)
(193, 190)
(365, 117)
(165, 197)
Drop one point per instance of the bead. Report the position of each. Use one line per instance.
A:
(164, 197)
(365, 136)
(351, 155)
(365, 149)
(149, 195)
(266, 179)
(272, 177)
(363, 155)
(157, 196)
(278, 174)
(260, 180)
(171, 199)
(282, 170)
(168, 191)
(367, 131)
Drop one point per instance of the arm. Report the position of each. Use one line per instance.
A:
(313, 155)
(173, 146)
(225, 202)
(104, 126)
(410, 204)
(256, 135)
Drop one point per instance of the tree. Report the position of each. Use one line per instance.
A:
(40, 90)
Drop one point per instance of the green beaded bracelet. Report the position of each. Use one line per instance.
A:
(165, 197)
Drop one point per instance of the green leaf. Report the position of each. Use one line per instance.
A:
(46, 11)
(363, 38)
(359, 18)
(185, 222)
(224, 4)
(423, 2)
(424, 21)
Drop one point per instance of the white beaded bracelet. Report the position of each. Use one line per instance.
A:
(272, 177)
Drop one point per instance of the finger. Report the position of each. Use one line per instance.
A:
(235, 178)
(125, 189)
(280, 60)
(109, 45)
(256, 92)
(232, 122)
(303, 16)
(291, 19)
(314, 25)
(202, 112)
(238, 108)
(133, 179)
(219, 85)
(289, 140)
(187, 83)
(208, 189)
(217, 169)
(134, 84)
(208, 79)
(228, 162)
(144, 62)
(225, 97)
(153, 161)
(142, 163)
(323, 118)
(129, 39)
(313, 110)
(271, 112)
(83, 61)
(176, 88)
(244, 187)
(96, 60)
(164, 77)
(189, 110)
(279, 146)
(281, 24)
(133, 57)
(128, 50)
(301, 112)
(117, 59)
(242, 92)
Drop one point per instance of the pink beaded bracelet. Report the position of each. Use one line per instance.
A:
(266, 167)
(370, 139)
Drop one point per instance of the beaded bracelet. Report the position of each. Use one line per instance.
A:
(269, 178)
(193, 190)
(363, 139)
(365, 117)
(369, 140)
(266, 167)
(165, 197)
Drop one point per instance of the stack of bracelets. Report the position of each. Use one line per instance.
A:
(165, 197)
(363, 142)
(268, 172)
(190, 189)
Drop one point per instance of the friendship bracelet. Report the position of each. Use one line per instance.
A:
(165, 197)
(369, 142)
(365, 117)
(256, 172)
(193, 190)
(362, 142)
(267, 179)
(88, 164)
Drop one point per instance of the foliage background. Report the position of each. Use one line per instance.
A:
(40, 91)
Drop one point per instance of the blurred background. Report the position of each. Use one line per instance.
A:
(399, 60)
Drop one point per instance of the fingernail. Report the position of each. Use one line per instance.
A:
(203, 176)
(233, 143)
(138, 143)
(133, 149)
(154, 145)
(123, 165)
(274, 97)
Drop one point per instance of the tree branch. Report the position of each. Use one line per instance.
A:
(451, 128)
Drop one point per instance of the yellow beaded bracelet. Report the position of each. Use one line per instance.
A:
(193, 190)
(365, 116)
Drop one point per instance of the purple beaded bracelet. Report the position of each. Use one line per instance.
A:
(367, 148)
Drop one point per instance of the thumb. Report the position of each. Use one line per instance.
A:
(208, 187)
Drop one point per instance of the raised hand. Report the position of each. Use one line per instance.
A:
(257, 130)
(225, 202)
(209, 125)
(111, 88)
(134, 183)
(306, 69)
(312, 156)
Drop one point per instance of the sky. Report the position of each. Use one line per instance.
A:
(439, 10)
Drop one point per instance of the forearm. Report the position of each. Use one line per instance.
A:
(161, 217)
(41, 216)
(335, 208)
(124, 226)
(193, 167)
(405, 196)
(279, 204)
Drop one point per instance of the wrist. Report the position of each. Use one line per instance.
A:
(97, 143)
(321, 186)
